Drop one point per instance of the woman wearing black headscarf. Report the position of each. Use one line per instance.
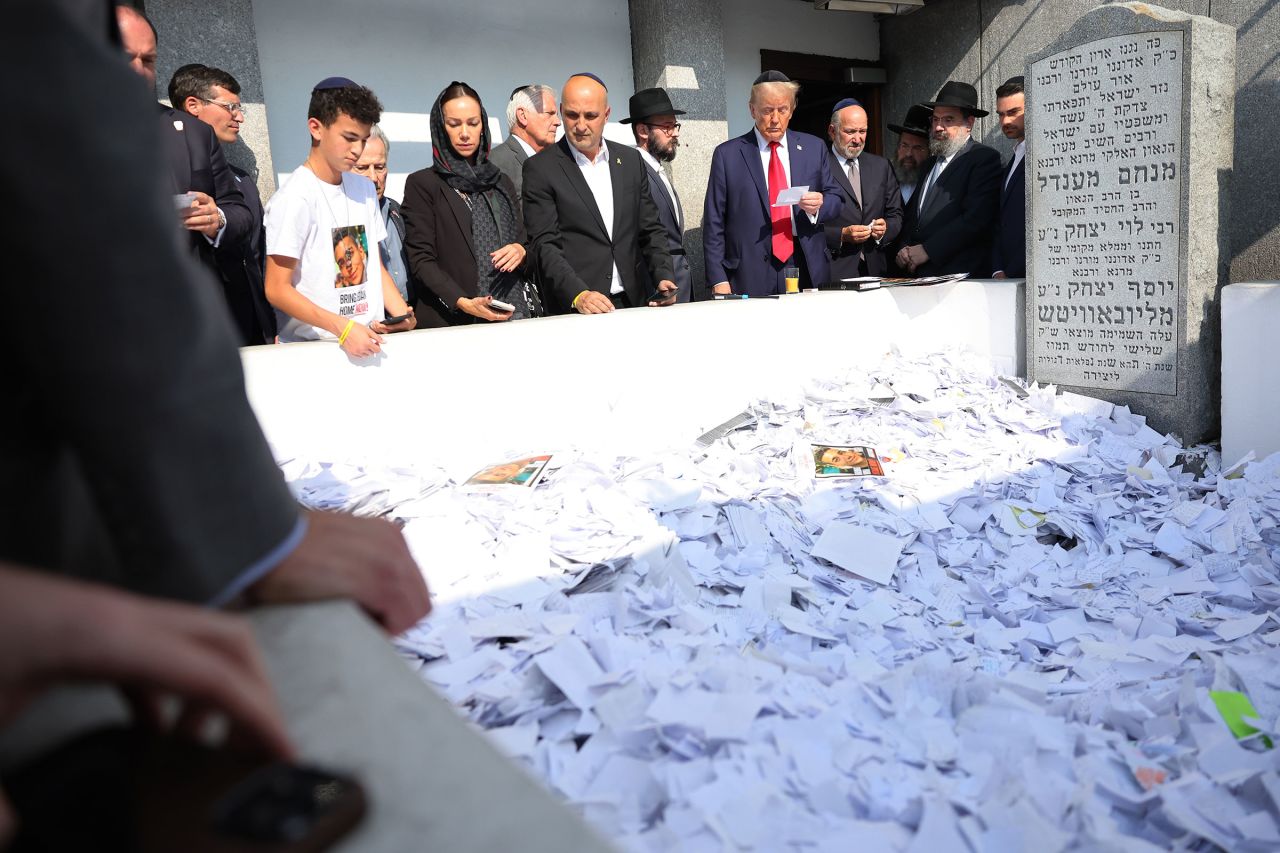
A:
(463, 234)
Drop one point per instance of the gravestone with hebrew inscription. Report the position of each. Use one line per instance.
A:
(1130, 117)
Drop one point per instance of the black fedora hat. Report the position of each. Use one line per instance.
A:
(960, 95)
(649, 102)
(917, 121)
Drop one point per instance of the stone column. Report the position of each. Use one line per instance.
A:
(1129, 146)
(679, 45)
(219, 33)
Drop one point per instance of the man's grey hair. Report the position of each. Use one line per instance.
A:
(528, 98)
(835, 114)
(376, 133)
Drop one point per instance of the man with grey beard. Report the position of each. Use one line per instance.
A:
(949, 222)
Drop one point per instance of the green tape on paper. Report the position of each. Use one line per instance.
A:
(1234, 707)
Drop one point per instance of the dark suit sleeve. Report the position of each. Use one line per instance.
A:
(422, 241)
(997, 256)
(653, 237)
(543, 223)
(997, 250)
(832, 201)
(240, 220)
(713, 220)
(980, 205)
(144, 391)
(892, 207)
(834, 225)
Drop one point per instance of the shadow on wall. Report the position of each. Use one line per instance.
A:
(1255, 243)
(924, 50)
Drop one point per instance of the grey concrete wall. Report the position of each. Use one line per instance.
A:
(679, 45)
(219, 33)
(985, 42)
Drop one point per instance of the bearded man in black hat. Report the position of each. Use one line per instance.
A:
(949, 221)
(913, 149)
(657, 134)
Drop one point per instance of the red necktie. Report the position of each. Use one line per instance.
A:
(783, 243)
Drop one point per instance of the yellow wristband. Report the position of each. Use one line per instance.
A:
(574, 303)
(342, 339)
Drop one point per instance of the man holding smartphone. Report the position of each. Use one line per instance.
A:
(589, 236)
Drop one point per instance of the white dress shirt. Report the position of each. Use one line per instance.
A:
(1018, 154)
(600, 182)
(785, 156)
(927, 185)
(528, 149)
(666, 182)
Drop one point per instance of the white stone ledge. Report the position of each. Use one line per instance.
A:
(1250, 369)
(625, 381)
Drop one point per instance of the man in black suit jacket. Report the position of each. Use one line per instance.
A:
(137, 456)
(948, 224)
(589, 214)
(1009, 249)
(657, 134)
(212, 96)
(532, 122)
(870, 214)
(216, 212)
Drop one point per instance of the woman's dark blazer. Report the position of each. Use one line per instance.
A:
(437, 240)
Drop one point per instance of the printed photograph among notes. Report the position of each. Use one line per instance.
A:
(518, 472)
(838, 460)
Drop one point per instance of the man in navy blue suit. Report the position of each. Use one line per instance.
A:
(871, 211)
(1009, 250)
(747, 241)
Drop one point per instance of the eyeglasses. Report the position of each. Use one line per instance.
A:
(229, 107)
(669, 128)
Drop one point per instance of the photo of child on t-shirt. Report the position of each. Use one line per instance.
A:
(350, 256)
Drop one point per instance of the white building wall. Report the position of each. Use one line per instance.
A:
(753, 25)
(409, 50)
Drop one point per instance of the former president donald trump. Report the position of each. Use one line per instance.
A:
(747, 241)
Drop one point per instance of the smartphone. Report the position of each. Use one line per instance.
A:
(499, 305)
(661, 296)
(400, 318)
(134, 790)
(288, 804)
(182, 201)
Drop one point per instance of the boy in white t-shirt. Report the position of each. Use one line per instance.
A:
(324, 272)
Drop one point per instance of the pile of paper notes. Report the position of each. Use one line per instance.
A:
(1046, 626)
